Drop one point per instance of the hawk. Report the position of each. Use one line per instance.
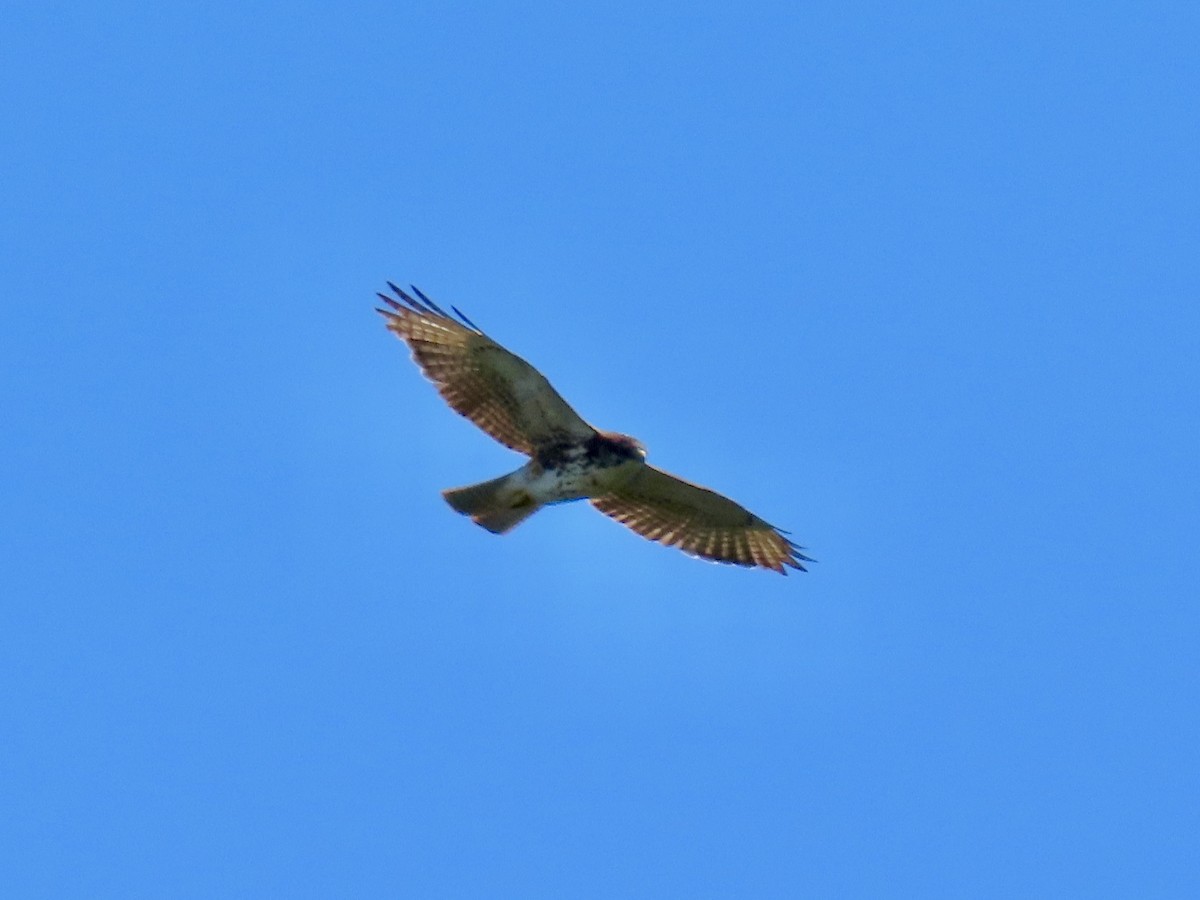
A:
(568, 458)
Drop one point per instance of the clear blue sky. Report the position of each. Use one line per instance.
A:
(918, 282)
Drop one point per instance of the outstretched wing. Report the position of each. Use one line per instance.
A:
(698, 521)
(497, 390)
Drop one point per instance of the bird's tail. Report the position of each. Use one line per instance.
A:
(498, 505)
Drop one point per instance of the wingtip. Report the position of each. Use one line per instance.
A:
(458, 312)
(409, 305)
(429, 304)
(423, 305)
(797, 561)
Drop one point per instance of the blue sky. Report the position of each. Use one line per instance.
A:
(917, 282)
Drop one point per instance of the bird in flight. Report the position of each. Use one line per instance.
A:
(568, 458)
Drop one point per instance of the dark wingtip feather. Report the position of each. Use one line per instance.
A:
(458, 312)
(407, 298)
(795, 550)
(798, 562)
(395, 290)
(429, 303)
(422, 304)
(795, 558)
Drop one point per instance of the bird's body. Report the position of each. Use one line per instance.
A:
(558, 474)
(576, 471)
(568, 458)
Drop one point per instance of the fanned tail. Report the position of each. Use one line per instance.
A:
(497, 505)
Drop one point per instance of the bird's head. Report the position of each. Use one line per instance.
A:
(632, 446)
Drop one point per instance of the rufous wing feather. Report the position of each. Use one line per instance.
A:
(497, 390)
(700, 522)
